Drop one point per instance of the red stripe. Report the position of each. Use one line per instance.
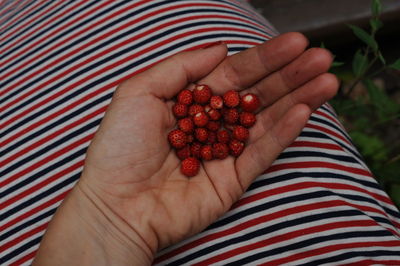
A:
(335, 121)
(25, 235)
(328, 146)
(45, 160)
(25, 258)
(25, 215)
(328, 131)
(52, 136)
(18, 17)
(285, 237)
(31, 21)
(93, 75)
(327, 249)
(40, 185)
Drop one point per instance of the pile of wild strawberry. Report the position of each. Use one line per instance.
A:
(210, 126)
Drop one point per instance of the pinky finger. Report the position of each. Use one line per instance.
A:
(259, 155)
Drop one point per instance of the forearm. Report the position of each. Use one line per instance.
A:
(83, 233)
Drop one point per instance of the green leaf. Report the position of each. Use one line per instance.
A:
(396, 65)
(365, 37)
(322, 45)
(380, 56)
(386, 106)
(337, 64)
(360, 63)
(376, 7)
(376, 24)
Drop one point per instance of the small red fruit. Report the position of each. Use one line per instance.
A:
(183, 153)
(180, 110)
(213, 125)
(220, 150)
(223, 136)
(216, 102)
(214, 114)
(249, 102)
(190, 167)
(194, 109)
(177, 138)
(206, 152)
(195, 149)
(247, 119)
(231, 116)
(201, 94)
(201, 134)
(240, 133)
(212, 137)
(186, 125)
(231, 98)
(200, 119)
(185, 97)
(236, 147)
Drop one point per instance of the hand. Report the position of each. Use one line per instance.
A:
(131, 174)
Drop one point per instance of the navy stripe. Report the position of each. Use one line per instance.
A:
(327, 110)
(331, 125)
(303, 154)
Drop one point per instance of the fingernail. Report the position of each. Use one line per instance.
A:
(212, 44)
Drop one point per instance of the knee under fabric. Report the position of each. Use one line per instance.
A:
(60, 63)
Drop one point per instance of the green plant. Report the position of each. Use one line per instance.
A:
(370, 113)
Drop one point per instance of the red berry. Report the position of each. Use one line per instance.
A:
(240, 133)
(190, 167)
(214, 114)
(195, 149)
(206, 152)
(177, 138)
(212, 137)
(201, 94)
(180, 110)
(231, 98)
(186, 125)
(216, 102)
(189, 138)
(220, 150)
(247, 119)
(201, 134)
(223, 136)
(249, 102)
(195, 108)
(183, 153)
(231, 116)
(185, 97)
(213, 125)
(207, 108)
(236, 147)
(200, 119)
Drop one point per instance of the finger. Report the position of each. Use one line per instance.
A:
(258, 156)
(167, 78)
(314, 93)
(243, 69)
(307, 66)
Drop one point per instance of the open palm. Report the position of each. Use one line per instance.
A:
(132, 169)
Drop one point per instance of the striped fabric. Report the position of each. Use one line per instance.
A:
(61, 62)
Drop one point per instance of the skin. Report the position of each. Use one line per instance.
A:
(132, 199)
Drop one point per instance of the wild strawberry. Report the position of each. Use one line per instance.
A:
(186, 125)
(249, 102)
(223, 136)
(214, 114)
(231, 115)
(177, 138)
(231, 98)
(194, 109)
(200, 119)
(213, 125)
(180, 110)
(220, 150)
(195, 149)
(236, 147)
(206, 152)
(201, 134)
(189, 138)
(240, 133)
(201, 94)
(212, 137)
(216, 102)
(183, 153)
(207, 108)
(190, 167)
(247, 119)
(185, 97)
